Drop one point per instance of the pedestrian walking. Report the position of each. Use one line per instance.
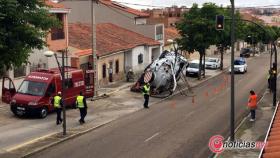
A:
(252, 105)
(57, 103)
(146, 93)
(82, 105)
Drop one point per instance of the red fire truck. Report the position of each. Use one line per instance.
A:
(38, 88)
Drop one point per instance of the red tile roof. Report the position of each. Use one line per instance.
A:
(272, 148)
(251, 17)
(53, 5)
(170, 33)
(124, 8)
(110, 38)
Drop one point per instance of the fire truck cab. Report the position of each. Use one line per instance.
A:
(35, 93)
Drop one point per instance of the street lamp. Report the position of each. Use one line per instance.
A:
(62, 72)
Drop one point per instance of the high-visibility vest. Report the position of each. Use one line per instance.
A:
(253, 101)
(80, 101)
(146, 90)
(57, 100)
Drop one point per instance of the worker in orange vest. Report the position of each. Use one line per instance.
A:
(252, 104)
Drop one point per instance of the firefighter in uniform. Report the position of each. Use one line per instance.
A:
(82, 105)
(252, 105)
(57, 103)
(146, 93)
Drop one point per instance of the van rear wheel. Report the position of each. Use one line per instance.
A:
(43, 112)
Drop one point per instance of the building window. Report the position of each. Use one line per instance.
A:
(140, 58)
(117, 66)
(104, 70)
(58, 33)
(159, 32)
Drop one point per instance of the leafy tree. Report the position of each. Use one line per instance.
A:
(197, 30)
(224, 36)
(24, 25)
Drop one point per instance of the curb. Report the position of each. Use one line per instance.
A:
(176, 93)
(106, 95)
(101, 125)
(215, 155)
(64, 139)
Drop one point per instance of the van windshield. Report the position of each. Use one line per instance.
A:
(32, 88)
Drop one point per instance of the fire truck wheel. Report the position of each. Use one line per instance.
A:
(43, 112)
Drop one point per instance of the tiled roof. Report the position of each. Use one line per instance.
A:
(53, 5)
(110, 38)
(124, 8)
(251, 17)
(170, 33)
(272, 148)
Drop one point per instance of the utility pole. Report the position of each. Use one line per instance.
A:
(232, 98)
(63, 94)
(94, 49)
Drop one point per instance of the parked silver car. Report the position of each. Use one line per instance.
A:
(212, 63)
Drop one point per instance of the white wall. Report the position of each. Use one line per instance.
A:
(135, 52)
(140, 21)
(128, 60)
(147, 52)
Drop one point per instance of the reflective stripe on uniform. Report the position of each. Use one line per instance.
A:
(146, 90)
(57, 100)
(80, 101)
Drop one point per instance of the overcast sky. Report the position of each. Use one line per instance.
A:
(188, 3)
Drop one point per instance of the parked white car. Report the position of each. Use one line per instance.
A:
(193, 68)
(212, 63)
(240, 65)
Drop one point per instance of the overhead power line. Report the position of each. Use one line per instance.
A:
(158, 6)
(143, 5)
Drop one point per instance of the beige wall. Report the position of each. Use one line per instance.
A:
(107, 60)
(60, 44)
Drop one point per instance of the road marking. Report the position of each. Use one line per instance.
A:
(29, 142)
(148, 139)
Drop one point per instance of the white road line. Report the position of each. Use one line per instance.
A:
(148, 139)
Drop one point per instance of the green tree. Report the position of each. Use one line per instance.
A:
(24, 25)
(224, 36)
(197, 30)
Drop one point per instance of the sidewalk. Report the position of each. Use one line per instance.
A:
(25, 136)
(253, 131)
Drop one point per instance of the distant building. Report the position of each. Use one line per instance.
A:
(107, 11)
(169, 16)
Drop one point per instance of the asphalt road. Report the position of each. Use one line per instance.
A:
(179, 127)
